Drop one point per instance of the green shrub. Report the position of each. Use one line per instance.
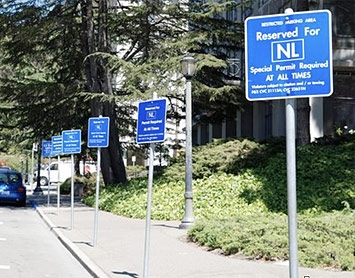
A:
(325, 178)
(240, 200)
(323, 240)
(13, 161)
(130, 199)
(220, 156)
(89, 183)
(136, 171)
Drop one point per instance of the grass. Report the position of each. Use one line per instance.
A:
(240, 201)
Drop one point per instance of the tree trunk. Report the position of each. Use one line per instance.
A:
(114, 170)
(99, 80)
(303, 132)
(303, 135)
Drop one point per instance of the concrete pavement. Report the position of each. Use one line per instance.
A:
(119, 252)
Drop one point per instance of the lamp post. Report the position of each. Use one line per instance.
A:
(188, 66)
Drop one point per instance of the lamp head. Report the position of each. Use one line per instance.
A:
(188, 66)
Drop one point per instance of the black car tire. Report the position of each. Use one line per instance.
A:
(43, 181)
(22, 203)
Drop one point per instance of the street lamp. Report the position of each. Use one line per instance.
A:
(188, 66)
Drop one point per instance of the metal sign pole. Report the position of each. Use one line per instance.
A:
(97, 196)
(291, 185)
(98, 137)
(149, 206)
(49, 182)
(58, 187)
(32, 163)
(72, 192)
(150, 129)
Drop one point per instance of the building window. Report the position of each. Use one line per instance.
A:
(262, 2)
(343, 21)
(343, 17)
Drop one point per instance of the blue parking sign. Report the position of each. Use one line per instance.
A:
(98, 132)
(57, 145)
(47, 148)
(151, 121)
(288, 55)
(71, 141)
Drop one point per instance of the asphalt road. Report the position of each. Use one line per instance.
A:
(29, 249)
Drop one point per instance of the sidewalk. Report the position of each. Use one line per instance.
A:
(119, 252)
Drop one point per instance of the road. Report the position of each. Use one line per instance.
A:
(29, 249)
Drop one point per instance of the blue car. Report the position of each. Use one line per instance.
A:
(12, 190)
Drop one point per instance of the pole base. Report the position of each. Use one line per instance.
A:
(185, 225)
(37, 191)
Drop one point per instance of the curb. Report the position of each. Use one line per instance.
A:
(82, 258)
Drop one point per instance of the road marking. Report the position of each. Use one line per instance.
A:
(4, 267)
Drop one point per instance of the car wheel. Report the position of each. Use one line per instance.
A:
(22, 203)
(43, 181)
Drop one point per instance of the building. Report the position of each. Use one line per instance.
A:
(263, 119)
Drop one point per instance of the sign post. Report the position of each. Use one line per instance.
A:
(47, 152)
(150, 129)
(71, 145)
(98, 137)
(291, 66)
(57, 147)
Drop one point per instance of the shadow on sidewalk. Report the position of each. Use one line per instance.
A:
(65, 200)
(128, 274)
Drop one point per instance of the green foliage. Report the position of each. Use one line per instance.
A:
(64, 56)
(325, 178)
(136, 171)
(13, 161)
(220, 156)
(242, 212)
(89, 183)
(323, 240)
(41, 70)
(265, 239)
(222, 195)
(130, 200)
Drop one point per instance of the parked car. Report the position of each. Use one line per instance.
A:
(12, 190)
(60, 172)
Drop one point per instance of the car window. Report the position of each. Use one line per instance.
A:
(14, 178)
(3, 178)
(10, 178)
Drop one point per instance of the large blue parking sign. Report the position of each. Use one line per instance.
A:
(151, 121)
(288, 56)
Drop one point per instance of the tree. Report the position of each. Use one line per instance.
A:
(64, 56)
(40, 69)
(45, 52)
(143, 43)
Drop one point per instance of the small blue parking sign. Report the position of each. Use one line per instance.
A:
(47, 148)
(98, 132)
(71, 141)
(288, 55)
(151, 121)
(57, 145)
